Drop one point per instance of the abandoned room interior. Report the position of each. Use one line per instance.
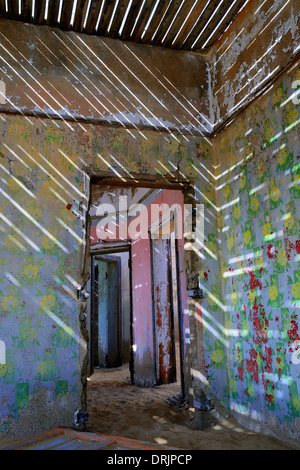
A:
(149, 190)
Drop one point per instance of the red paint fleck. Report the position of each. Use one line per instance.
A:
(253, 281)
(269, 398)
(298, 246)
(69, 206)
(252, 366)
(206, 276)
(269, 253)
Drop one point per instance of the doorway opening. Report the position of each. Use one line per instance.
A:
(150, 336)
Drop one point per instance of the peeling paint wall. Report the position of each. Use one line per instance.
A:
(258, 200)
(64, 75)
(257, 47)
(44, 190)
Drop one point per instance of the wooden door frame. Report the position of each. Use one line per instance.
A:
(107, 250)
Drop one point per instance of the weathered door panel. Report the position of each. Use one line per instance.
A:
(142, 324)
(106, 312)
(163, 311)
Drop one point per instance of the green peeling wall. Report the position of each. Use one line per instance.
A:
(253, 358)
(44, 197)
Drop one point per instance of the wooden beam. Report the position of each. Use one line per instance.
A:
(39, 12)
(142, 21)
(187, 27)
(135, 7)
(26, 14)
(201, 24)
(66, 13)
(13, 10)
(80, 14)
(160, 14)
(105, 17)
(92, 19)
(2, 9)
(173, 7)
(52, 12)
(118, 18)
(178, 21)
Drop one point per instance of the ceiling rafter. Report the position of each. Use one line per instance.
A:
(176, 24)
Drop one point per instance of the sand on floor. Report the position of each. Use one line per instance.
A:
(117, 407)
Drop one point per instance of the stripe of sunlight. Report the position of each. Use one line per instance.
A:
(73, 12)
(171, 24)
(59, 11)
(100, 102)
(206, 24)
(261, 57)
(113, 15)
(168, 90)
(69, 230)
(208, 122)
(87, 14)
(43, 111)
(16, 107)
(199, 16)
(230, 45)
(51, 96)
(166, 168)
(17, 157)
(125, 18)
(137, 17)
(22, 55)
(100, 14)
(70, 50)
(186, 18)
(62, 176)
(37, 224)
(150, 18)
(23, 79)
(137, 78)
(253, 89)
(210, 328)
(19, 232)
(46, 10)
(249, 45)
(123, 168)
(79, 216)
(163, 17)
(221, 327)
(99, 70)
(18, 182)
(67, 289)
(111, 167)
(33, 9)
(127, 89)
(43, 169)
(218, 24)
(17, 243)
(52, 315)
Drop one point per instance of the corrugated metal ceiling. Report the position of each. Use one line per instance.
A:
(177, 24)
